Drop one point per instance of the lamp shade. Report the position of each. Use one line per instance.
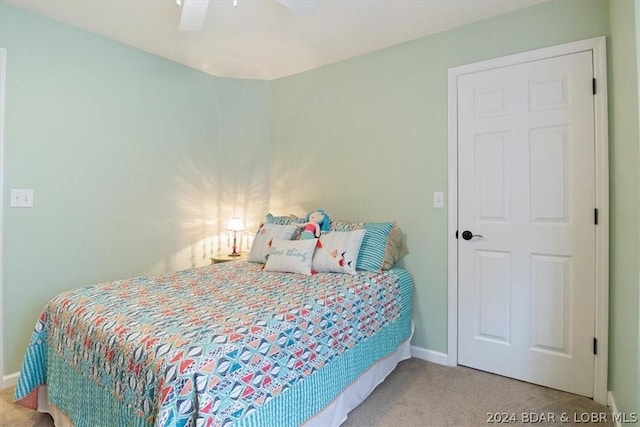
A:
(235, 225)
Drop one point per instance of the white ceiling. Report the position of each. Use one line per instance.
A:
(261, 39)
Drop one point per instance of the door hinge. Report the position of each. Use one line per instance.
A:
(595, 345)
(595, 216)
(456, 234)
(594, 86)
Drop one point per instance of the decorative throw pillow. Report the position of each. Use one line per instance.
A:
(291, 256)
(262, 242)
(338, 252)
(396, 248)
(386, 241)
(374, 246)
(286, 220)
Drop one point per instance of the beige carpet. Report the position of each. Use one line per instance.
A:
(419, 393)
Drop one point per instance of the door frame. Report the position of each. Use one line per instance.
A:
(598, 46)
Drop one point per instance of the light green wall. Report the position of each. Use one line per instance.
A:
(625, 206)
(366, 138)
(136, 162)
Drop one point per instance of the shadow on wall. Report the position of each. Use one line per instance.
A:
(200, 199)
(297, 180)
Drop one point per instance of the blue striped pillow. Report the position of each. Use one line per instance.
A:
(374, 246)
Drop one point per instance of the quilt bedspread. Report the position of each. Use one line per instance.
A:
(207, 346)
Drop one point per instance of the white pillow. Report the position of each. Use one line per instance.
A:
(291, 256)
(338, 252)
(262, 242)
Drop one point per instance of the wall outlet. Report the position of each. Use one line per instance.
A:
(21, 198)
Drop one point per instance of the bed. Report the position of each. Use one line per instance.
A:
(237, 344)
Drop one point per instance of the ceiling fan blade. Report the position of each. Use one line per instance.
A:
(193, 14)
(300, 7)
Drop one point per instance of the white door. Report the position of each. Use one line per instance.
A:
(526, 176)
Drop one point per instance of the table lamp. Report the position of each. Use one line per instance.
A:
(235, 225)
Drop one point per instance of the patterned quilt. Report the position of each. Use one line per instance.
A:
(212, 346)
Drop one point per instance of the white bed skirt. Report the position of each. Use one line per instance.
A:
(59, 418)
(333, 415)
(336, 413)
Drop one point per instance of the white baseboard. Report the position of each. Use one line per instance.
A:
(10, 380)
(429, 355)
(611, 403)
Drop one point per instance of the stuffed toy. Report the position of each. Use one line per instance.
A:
(317, 221)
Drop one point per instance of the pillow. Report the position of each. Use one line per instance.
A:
(396, 248)
(291, 256)
(374, 246)
(283, 220)
(262, 242)
(390, 247)
(338, 252)
(345, 225)
(286, 220)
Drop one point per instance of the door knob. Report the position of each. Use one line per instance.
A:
(467, 235)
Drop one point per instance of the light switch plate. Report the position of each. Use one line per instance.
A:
(438, 199)
(21, 198)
